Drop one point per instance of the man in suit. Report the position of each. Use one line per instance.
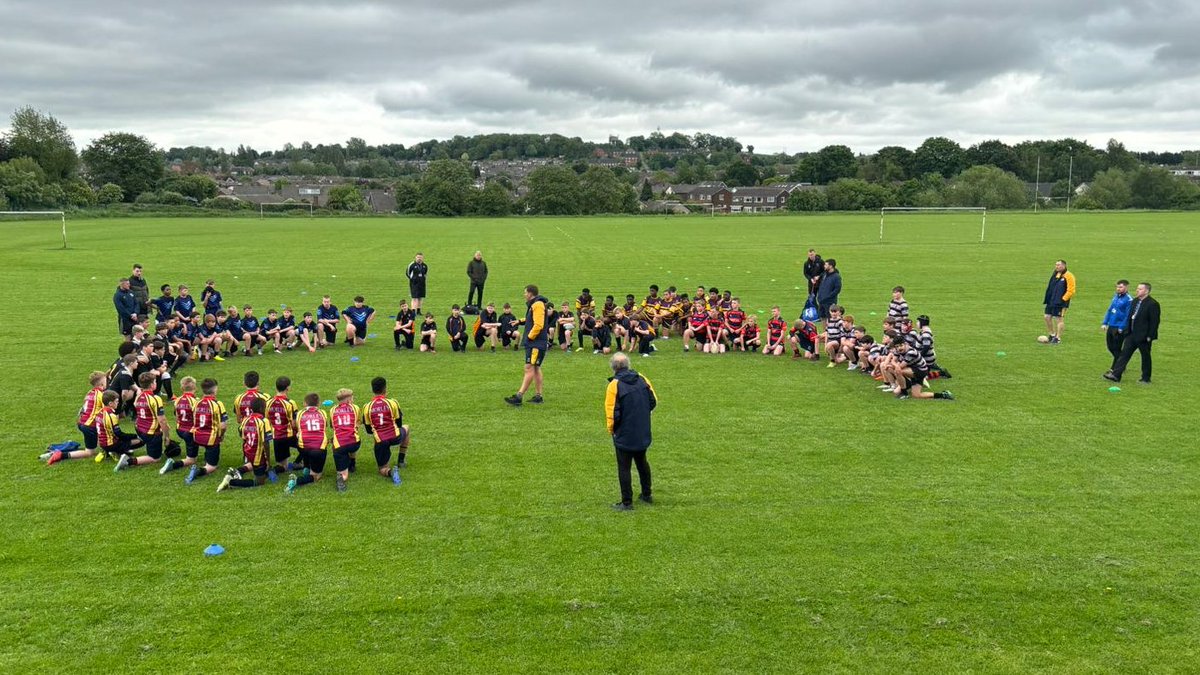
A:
(1143, 331)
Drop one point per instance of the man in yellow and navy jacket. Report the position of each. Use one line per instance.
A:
(1059, 291)
(536, 341)
(628, 402)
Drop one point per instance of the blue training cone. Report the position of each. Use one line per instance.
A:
(215, 549)
(353, 359)
(327, 403)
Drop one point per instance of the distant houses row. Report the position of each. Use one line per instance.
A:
(725, 199)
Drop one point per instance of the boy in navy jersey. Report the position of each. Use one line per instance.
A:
(252, 336)
(185, 305)
(510, 332)
(327, 318)
(405, 328)
(270, 329)
(487, 327)
(565, 327)
(211, 298)
(357, 317)
(309, 332)
(287, 329)
(164, 304)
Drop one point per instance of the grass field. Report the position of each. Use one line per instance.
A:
(804, 521)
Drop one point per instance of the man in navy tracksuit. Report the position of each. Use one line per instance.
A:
(128, 309)
(1116, 319)
(628, 402)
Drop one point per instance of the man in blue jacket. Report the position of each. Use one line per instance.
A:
(830, 288)
(628, 402)
(127, 308)
(1116, 319)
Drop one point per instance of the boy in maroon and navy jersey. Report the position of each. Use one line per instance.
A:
(256, 450)
(241, 404)
(749, 340)
(185, 421)
(382, 417)
(344, 418)
(715, 333)
(281, 415)
(314, 442)
(776, 333)
(804, 339)
(697, 327)
(150, 422)
(86, 421)
(208, 430)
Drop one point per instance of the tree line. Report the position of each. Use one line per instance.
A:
(41, 168)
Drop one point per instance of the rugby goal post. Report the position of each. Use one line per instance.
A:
(62, 215)
(981, 210)
(262, 213)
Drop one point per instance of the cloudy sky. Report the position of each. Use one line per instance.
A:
(780, 76)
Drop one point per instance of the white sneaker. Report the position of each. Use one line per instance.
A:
(852, 366)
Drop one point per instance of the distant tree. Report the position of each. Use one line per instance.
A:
(1152, 189)
(406, 194)
(444, 188)
(197, 186)
(807, 200)
(987, 186)
(739, 174)
(492, 200)
(827, 165)
(1110, 190)
(553, 191)
(939, 155)
(647, 191)
(173, 198)
(110, 193)
(79, 193)
(43, 139)
(356, 148)
(22, 181)
(346, 197)
(853, 194)
(1117, 157)
(897, 162)
(922, 191)
(996, 153)
(602, 192)
(126, 159)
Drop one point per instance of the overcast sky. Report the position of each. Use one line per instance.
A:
(779, 76)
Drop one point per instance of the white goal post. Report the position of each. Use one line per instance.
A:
(62, 215)
(982, 210)
(263, 205)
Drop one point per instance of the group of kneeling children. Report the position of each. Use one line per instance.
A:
(271, 429)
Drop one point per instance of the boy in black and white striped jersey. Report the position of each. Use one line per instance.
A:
(926, 345)
(835, 329)
(898, 307)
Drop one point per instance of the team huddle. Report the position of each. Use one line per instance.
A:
(276, 433)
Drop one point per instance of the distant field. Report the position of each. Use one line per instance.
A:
(804, 521)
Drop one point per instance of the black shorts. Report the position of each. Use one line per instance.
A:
(507, 337)
(360, 330)
(918, 377)
(341, 456)
(602, 338)
(153, 444)
(283, 448)
(535, 354)
(429, 341)
(212, 454)
(700, 336)
(480, 337)
(315, 459)
(189, 443)
(90, 440)
(330, 333)
(1055, 310)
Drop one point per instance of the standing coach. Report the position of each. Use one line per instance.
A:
(128, 309)
(1143, 331)
(477, 272)
(814, 268)
(536, 341)
(628, 402)
(417, 272)
(830, 288)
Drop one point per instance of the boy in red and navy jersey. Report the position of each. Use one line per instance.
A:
(749, 340)
(241, 404)
(314, 442)
(697, 327)
(382, 417)
(715, 333)
(185, 421)
(776, 333)
(735, 320)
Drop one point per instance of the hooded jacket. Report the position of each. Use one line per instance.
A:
(627, 405)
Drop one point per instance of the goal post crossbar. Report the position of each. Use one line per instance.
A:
(982, 210)
(61, 214)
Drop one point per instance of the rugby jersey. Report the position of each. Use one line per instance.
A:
(345, 418)
(185, 412)
(92, 404)
(383, 417)
(146, 410)
(210, 414)
(255, 437)
(312, 425)
(281, 415)
(898, 309)
(241, 404)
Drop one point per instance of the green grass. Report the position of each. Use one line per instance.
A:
(804, 522)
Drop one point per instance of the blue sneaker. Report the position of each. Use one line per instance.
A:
(192, 474)
(396, 475)
(291, 484)
(307, 471)
(272, 476)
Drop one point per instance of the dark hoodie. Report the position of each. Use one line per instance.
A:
(627, 405)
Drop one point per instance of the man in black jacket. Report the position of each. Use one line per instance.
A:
(128, 309)
(830, 288)
(1143, 331)
(137, 284)
(477, 272)
(814, 268)
(628, 402)
(417, 272)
